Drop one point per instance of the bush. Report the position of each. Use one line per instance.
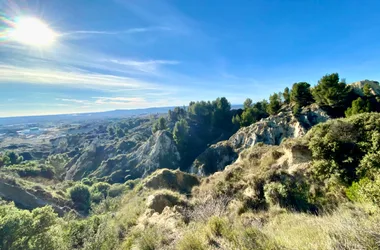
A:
(87, 181)
(358, 106)
(116, 190)
(191, 241)
(149, 239)
(339, 147)
(101, 187)
(21, 229)
(80, 195)
(218, 226)
(365, 190)
(32, 170)
(275, 193)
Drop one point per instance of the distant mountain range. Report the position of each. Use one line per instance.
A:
(113, 114)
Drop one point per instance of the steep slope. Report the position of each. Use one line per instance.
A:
(29, 196)
(272, 131)
(158, 152)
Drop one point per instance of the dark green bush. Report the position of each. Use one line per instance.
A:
(336, 149)
(80, 195)
(87, 181)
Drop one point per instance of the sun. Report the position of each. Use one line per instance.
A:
(32, 31)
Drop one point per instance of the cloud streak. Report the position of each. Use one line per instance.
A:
(119, 102)
(150, 66)
(69, 78)
(71, 100)
(117, 32)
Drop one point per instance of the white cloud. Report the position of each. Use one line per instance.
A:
(150, 66)
(117, 32)
(71, 100)
(70, 78)
(124, 101)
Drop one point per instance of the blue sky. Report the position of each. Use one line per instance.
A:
(123, 54)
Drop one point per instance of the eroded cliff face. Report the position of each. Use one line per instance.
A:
(272, 131)
(159, 151)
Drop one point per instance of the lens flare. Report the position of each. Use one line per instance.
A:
(32, 31)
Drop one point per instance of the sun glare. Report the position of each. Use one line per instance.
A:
(34, 32)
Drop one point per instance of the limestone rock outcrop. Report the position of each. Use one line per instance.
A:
(272, 131)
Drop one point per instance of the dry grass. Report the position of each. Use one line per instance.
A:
(352, 227)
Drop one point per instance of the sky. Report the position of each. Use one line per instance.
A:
(126, 54)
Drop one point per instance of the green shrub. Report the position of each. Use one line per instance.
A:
(21, 229)
(365, 190)
(116, 190)
(32, 170)
(358, 106)
(80, 195)
(101, 187)
(275, 193)
(296, 109)
(341, 147)
(87, 182)
(97, 197)
(218, 226)
(149, 239)
(191, 241)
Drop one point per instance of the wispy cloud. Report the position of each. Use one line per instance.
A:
(69, 78)
(150, 66)
(119, 102)
(71, 100)
(131, 101)
(117, 32)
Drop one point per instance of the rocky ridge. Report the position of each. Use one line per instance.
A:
(272, 131)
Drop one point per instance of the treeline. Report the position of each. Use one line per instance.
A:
(198, 125)
(201, 123)
(331, 94)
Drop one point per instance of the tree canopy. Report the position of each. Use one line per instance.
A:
(274, 104)
(160, 124)
(358, 106)
(330, 92)
(181, 133)
(301, 94)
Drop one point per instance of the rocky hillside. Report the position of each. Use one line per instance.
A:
(271, 131)
(159, 151)
(374, 87)
(29, 195)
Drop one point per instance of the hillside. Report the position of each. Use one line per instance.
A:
(278, 174)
